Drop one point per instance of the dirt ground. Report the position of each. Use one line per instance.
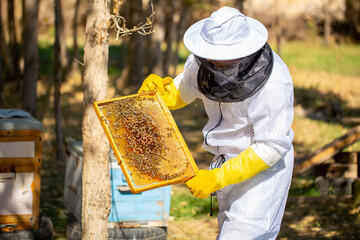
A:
(204, 229)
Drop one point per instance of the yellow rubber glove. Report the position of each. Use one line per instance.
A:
(167, 89)
(233, 171)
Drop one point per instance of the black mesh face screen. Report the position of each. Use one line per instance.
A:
(238, 80)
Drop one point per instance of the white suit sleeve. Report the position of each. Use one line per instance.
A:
(271, 114)
(186, 82)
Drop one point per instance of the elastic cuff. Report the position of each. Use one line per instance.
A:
(269, 155)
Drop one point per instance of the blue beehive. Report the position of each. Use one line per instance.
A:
(150, 208)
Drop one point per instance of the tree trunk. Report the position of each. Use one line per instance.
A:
(1, 73)
(136, 48)
(327, 28)
(31, 56)
(21, 40)
(96, 196)
(122, 80)
(124, 42)
(13, 43)
(182, 25)
(73, 65)
(240, 5)
(352, 16)
(58, 75)
(356, 191)
(63, 50)
(1, 84)
(171, 22)
(278, 28)
(278, 35)
(154, 54)
(5, 52)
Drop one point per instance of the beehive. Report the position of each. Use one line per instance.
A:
(20, 172)
(146, 141)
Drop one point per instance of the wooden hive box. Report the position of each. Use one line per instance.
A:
(20, 167)
(146, 141)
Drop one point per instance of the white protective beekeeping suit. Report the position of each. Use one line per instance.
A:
(262, 122)
(247, 92)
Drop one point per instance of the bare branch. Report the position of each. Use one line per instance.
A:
(119, 23)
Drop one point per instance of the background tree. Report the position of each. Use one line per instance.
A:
(239, 4)
(172, 21)
(60, 65)
(154, 53)
(1, 39)
(96, 197)
(182, 24)
(327, 22)
(352, 13)
(135, 63)
(1, 83)
(73, 65)
(133, 72)
(15, 57)
(278, 26)
(5, 52)
(31, 56)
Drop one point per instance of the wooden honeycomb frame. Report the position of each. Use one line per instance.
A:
(146, 141)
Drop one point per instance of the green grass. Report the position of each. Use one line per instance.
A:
(339, 59)
(184, 205)
(303, 187)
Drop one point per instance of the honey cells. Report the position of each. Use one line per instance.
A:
(147, 140)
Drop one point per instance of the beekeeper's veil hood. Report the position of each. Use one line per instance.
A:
(229, 35)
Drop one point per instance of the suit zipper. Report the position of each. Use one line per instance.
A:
(221, 117)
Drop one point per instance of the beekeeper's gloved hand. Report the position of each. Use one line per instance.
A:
(167, 89)
(233, 171)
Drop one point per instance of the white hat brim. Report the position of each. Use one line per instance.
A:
(256, 39)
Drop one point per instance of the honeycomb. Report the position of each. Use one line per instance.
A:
(146, 139)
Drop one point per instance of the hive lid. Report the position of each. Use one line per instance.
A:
(146, 141)
(16, 119)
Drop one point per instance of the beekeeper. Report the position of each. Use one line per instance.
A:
(247, 92)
